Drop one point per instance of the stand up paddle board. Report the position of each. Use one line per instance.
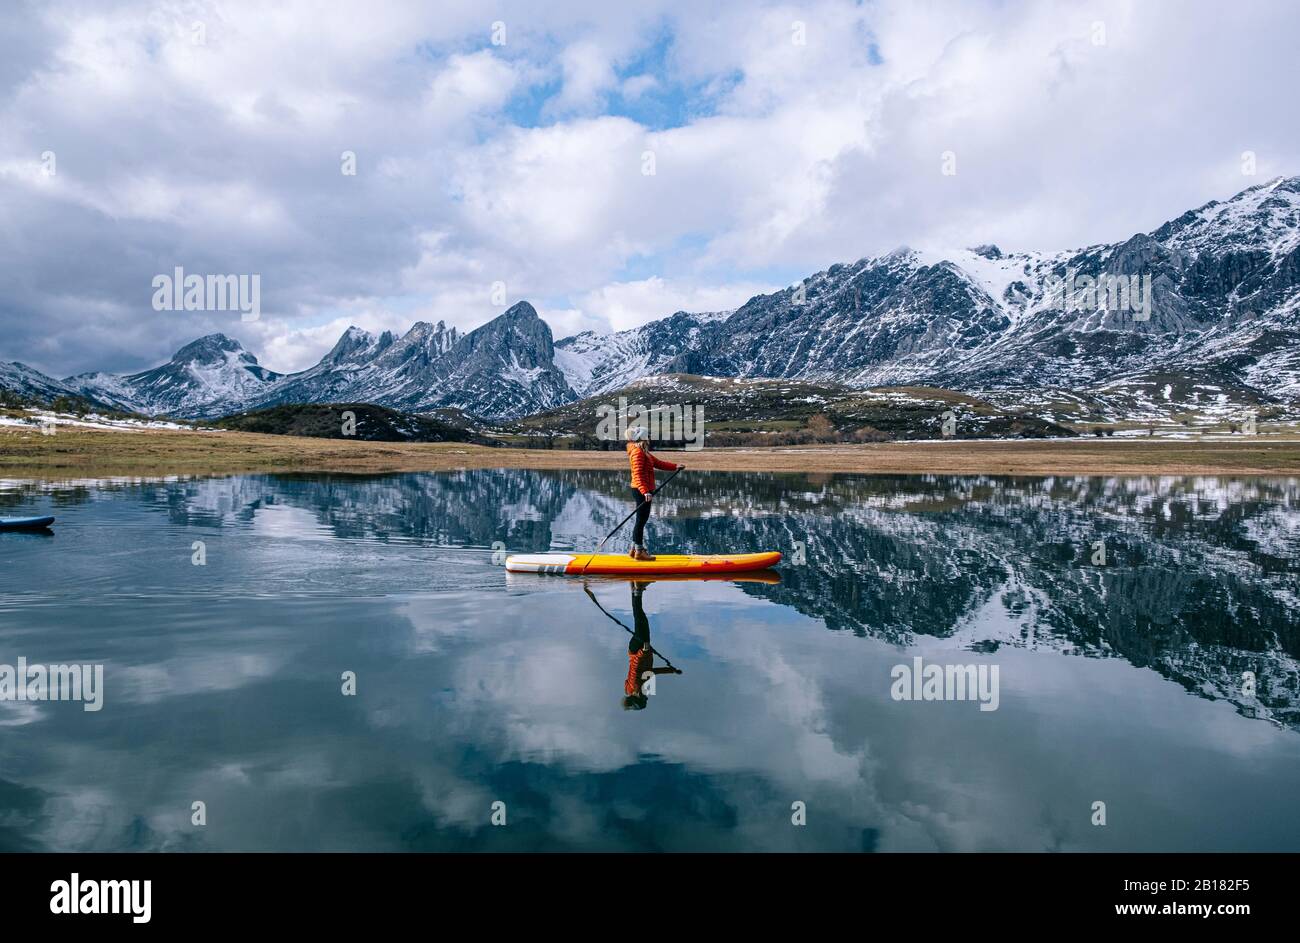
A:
(25, 523)
(615, 564)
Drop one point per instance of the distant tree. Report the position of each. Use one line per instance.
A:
(870, 434)
(11, 399)
(821, 428)
(67, 404)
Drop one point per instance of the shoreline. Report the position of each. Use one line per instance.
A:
(87, 453)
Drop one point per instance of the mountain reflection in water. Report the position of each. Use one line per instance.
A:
(222, 680)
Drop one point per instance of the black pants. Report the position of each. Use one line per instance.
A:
(642, 515)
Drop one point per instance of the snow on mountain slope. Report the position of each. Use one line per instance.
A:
(1262, 218)
(597, 363)
(504, 368)
(364, 368)
(30, 383)
(108, 388)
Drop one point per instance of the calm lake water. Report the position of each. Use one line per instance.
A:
(1118, 682)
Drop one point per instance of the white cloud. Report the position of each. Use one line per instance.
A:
(470, 83)
(637, 85)
(587, 75)
(769, 154)
(624, 305)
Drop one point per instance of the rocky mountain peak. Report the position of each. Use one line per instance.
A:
(354, 343)
(521, 311)
(211, 349)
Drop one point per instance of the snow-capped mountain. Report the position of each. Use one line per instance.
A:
(1210, 308)
(504, 368)
(29, 383)
(1225, 284)
(207, 377)
(363, 367)
(599, 363)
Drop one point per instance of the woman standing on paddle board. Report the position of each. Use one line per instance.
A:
(643, 484)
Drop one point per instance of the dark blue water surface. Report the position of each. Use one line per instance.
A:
(1119, 682)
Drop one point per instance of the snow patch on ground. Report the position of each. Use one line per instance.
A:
(37, 419)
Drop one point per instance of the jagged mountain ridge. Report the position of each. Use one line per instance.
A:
(505, 367)
(1225, 294)
(1225, 287)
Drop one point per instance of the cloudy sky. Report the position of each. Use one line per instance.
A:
(513, 143)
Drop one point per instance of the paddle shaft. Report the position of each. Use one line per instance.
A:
(630, 516)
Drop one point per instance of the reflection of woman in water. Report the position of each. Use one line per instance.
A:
(640, 656)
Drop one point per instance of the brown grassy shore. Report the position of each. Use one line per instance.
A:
(74, 452)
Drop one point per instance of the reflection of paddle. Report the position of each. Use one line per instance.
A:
(653, 650)
(626, 519)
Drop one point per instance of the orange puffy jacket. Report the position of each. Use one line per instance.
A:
(643, 468)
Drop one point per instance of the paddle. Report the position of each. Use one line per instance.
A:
(588, 591)
(628, 518)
